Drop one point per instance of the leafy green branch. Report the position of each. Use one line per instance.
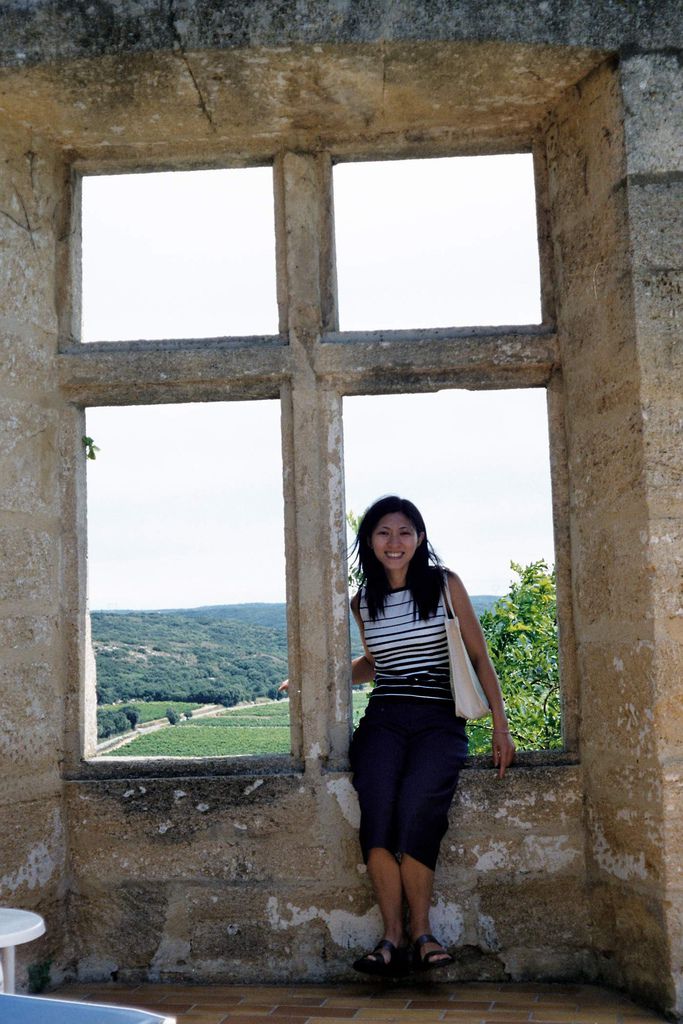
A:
(91, 448)
(521, 633)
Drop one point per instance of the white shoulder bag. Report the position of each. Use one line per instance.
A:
(470, 699)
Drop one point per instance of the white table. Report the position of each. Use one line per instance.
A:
(16, 926)
(37, 1010)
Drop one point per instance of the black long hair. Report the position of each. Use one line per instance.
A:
(426, 573)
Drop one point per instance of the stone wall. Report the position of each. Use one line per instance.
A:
(653, 94)
(33, 658)
(625, 596)
(570, 868)
(186, 877)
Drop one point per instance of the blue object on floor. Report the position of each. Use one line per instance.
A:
(35, 1010)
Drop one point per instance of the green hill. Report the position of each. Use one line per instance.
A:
(482, 602)
(217, 654)
(202, 654)
(257, 614)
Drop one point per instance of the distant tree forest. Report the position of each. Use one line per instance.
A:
(218, 655)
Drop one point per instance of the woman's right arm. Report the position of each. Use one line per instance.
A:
(363, 668)
(362, 671)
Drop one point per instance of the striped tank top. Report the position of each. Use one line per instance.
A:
(411, 654)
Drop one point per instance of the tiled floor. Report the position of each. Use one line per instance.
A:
(421, 1003)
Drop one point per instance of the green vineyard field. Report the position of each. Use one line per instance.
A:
(259, 729)
(204, 741)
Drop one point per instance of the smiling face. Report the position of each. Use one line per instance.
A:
(394, 541)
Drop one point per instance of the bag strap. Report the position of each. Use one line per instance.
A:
(446, 593)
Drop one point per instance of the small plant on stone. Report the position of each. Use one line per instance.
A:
(91, 448)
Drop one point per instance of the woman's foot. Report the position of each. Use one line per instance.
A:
(385, 959)
(428, 953)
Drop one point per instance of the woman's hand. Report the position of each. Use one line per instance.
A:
(284, 686)
(503, 750)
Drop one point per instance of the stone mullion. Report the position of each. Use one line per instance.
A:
(569, 678)
(80, 739)
(544, 230)
(313, 476)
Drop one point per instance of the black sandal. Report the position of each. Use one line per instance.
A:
(434, 958)
(374, 962)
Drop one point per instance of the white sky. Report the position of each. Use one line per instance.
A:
(182, 512)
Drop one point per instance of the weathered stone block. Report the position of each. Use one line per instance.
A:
(28, 442)
(618, 702)
(24, 634)
(668, 719)
(28, 197)
(628, 938)
(26, 358)
(623, 784)
(606, 400)
(318, 929)
(612, 575)
(624, 840)
(33, 857)
(504, 835)
(116, 926)
(27, 565)
(529, 924)
(529, 963)
(672, 805)
(665, 544)
(529, 800)
(593, 333)
(31, 723)
(653, 95)
(527, 855)
(594, 257)
(664, 475)
(656, 224)
(225, 829)
(605, 458)
(27, 33)
(194, 930)
(585, 148)
(658, 316)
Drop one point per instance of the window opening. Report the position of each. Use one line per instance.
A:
(182, 254)
(458, 238)
(477, 466)
(443, 242)
(186, 578)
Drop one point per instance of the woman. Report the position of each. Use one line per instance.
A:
(408, 749)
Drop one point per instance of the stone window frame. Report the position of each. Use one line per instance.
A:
(310, 366)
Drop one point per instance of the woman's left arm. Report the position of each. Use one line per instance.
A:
(473, 638)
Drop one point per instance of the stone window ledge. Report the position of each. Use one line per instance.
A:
(119, 768)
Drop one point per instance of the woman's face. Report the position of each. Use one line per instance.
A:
(394, 541)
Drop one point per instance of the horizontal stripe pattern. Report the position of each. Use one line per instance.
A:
(411, 654)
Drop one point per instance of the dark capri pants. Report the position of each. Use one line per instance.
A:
(406, 756)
